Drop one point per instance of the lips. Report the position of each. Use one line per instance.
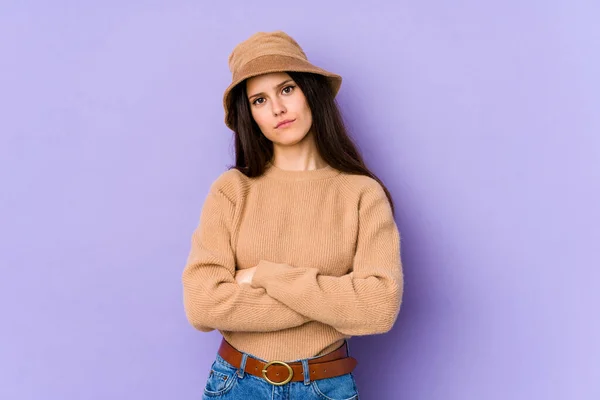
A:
(285, 123)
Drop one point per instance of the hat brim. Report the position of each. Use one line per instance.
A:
(277, 63)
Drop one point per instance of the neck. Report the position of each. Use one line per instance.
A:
(302, 156)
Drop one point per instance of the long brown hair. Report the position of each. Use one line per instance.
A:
(253, 150)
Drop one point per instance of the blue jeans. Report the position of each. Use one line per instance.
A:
(226, 382)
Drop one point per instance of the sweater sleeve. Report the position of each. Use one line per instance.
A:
(363, 302)
(212, 297)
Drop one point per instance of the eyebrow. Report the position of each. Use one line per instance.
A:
(278, 86)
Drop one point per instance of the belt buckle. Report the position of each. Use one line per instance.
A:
(288, 379)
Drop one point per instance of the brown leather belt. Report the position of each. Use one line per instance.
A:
(278, 373)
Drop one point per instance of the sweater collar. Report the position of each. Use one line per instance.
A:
(272, 171)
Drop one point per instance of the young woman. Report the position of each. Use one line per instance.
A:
(297, 249)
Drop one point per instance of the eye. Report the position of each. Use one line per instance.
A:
(256, 101)
(286, 91)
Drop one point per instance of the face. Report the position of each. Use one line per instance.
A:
(275, 98)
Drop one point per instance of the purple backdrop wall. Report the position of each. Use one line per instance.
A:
(482, 118)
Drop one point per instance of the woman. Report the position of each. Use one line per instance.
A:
(297, 249)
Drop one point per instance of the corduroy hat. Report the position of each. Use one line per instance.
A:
(265, 52)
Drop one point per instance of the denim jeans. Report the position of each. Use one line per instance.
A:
(226, 382)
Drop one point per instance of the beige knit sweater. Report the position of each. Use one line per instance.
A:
(328, 255)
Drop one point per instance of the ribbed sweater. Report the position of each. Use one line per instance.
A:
(327, 251)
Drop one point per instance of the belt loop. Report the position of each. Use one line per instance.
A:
(242, 367)
(306, 370)
(347, 347)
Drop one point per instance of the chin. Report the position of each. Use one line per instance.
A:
(289, 138)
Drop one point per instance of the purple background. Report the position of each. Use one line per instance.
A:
(481, 117)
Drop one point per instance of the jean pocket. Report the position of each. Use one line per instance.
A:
(221, 378)
(341, 387)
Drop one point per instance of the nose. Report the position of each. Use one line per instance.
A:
(278, 107)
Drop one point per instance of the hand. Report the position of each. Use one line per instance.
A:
(245, 275)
